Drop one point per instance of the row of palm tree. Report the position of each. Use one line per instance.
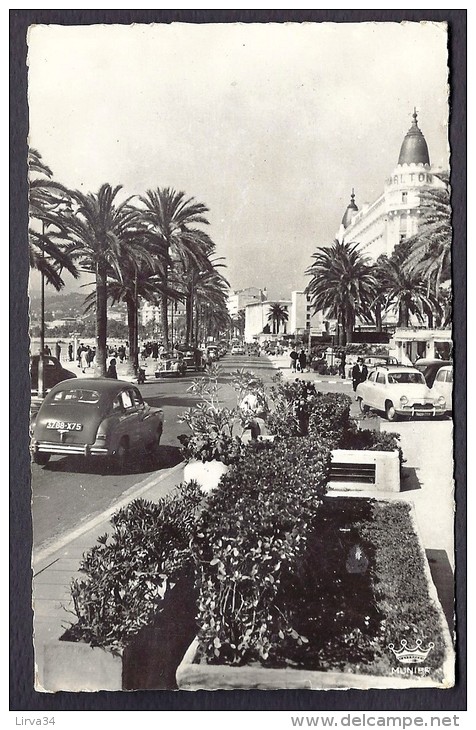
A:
(149, 247)
(414, 280)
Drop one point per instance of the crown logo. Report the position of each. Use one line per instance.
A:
(417, 655)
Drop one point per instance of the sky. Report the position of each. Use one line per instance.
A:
(270, 125)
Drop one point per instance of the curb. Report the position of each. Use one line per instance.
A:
(132, 493)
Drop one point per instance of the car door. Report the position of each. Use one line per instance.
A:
(146, 422)
(128, 425)
(379, 392)
(367, 389)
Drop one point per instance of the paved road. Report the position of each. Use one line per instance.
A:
(72, 489)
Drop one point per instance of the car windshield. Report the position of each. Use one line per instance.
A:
(76, 395)
(406, 378)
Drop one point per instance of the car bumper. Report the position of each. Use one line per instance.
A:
(45, 447)
(420, 410)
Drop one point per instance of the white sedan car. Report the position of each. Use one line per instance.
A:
(443, 386)
(399, 391)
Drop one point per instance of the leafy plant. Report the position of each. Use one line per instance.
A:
(212, 426)
(242, 562)
(128, 573)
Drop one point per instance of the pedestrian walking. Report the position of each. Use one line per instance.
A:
(359, 373)
(84, 358)
(294, 360)
(70, 352)
(58, 351)
(90, 355)
(302, 361)
(111, 372)
(47, 351)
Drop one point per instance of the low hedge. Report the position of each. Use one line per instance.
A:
(369, 440)
(248, 542)
(127, 574)
(332, 594)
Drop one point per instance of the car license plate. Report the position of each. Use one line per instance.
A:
(64, 426)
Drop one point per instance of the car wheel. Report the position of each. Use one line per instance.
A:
(121, 455)
(41, 459)
(364, 408)
(390, 413)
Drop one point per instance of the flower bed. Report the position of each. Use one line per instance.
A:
(357, 586)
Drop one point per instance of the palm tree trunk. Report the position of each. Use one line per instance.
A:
(101, 318)
(403, 314)
(378, 317)
(164, 303)
(189, 316)
(132, 334)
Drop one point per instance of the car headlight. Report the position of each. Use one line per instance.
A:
(441, 401)
(403, 400)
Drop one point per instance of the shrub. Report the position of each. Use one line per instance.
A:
(368, 440)
(212, 426)
(247, 545)
(128, 573)
(330, 419)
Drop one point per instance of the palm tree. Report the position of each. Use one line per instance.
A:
(403, 289)
(343, 285)
(100, 232)
(430, 248)
(47, 247)
(277, 315)
(238, 323)
(169, 216)
(211, 296)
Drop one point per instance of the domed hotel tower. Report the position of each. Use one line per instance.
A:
(394, 215)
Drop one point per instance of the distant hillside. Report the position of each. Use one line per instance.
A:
(61, 306)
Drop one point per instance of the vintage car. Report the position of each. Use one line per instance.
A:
(94, 417)
(170, 363)
(54, 372)
(194, 359)
(399, 391)
(237, 350)
(443, 386)
(430, 368)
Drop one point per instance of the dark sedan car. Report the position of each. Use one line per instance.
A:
(430, 368)
(95, 417)
(54, 372)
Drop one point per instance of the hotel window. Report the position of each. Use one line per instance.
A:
(404, 197)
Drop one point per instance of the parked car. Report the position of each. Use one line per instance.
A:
(194, 359)
(429, 368)
(54, 372)
(372, 361)
(237, 350)
(399, 391)
(170, 363)
(443, 386)
(94, 417)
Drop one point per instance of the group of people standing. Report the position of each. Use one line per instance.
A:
(299, 362)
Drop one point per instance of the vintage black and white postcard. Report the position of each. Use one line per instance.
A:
(241, 356)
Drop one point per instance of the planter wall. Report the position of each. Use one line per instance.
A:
(207, 474)
(76, 667)
(149, 662)
(352, 471)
